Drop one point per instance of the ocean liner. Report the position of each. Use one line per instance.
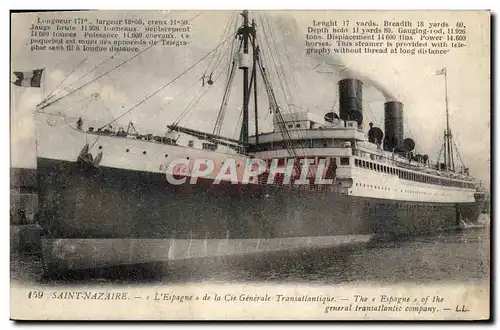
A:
(112, 197)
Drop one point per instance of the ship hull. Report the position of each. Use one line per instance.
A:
(98, 217)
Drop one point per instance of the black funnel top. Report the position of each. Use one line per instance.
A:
(351, 99)
(393, 117)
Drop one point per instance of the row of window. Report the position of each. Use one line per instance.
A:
(359, 184)
(408, 191)
(303, 142)
(408, 206)
(407, 175)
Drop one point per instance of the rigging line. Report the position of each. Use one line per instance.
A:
(94, 68)
(202, 87)
(98, 77)
(280, 80)
(227, 53)
(170, 82)
(189, 106)
(232, 56)
(280, 84)
(458, 153)
(294, 80)
(371, 113)
(192, 105)
(74, 105)
(439, 156)
(409, 132)
(228, 49)
(299, 133)
(86, 74)
(168, 103)
(334, 109)
(235, 40)
(277, 53)
(236, 134)
(227, 91)
(110, 70)
(271, 55)
(85, 108)
(104, 104)
(276, 109)
(193, 18)
(273, 102)
(223, 36)
(196, 102)
(50, 94)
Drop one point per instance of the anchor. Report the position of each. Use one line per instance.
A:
(86, 159)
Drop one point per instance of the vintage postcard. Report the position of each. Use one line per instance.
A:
(250, 165)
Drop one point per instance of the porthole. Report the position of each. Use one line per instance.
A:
(127, 150)
(144, 152)
(166, 155)
(100, 147)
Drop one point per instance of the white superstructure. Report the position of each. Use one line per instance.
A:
(363, 167)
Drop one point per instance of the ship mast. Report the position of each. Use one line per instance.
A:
(254, 77)
(449, 163)
(247, 37)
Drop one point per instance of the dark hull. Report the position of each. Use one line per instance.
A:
(78, 202)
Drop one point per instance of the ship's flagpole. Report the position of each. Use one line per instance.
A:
(44, 81)
(446, 99)
(42, 89)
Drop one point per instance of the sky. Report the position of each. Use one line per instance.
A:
(309, 81)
